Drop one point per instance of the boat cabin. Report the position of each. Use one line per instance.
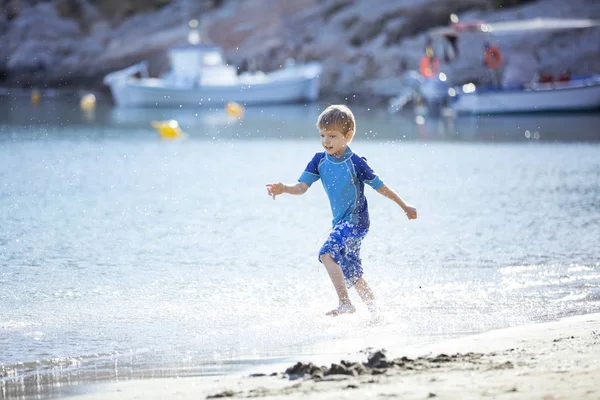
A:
(200, 65)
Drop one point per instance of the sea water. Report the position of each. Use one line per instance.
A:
(124, 256)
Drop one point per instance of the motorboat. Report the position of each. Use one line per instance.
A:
(572, 94)
(200, 77)
(542, 92)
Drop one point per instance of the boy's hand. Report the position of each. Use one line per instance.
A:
(411, 212)
(275, 189)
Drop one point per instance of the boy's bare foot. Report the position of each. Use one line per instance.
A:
(342, 309)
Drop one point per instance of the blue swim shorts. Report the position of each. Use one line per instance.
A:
(343, 244)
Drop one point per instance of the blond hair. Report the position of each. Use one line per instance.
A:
(337, 117)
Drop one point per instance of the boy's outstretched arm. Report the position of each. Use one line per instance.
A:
(410, 211)
(275, 189)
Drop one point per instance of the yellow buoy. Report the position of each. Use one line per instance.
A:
(35, 97)
(87, 102)
(168, 129)
(234, 109)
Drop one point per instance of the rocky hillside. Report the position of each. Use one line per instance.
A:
(365, 45)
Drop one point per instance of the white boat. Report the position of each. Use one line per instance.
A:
(576, 94)
(199, 77)
(570, 94)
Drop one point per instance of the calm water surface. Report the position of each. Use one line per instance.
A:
(125, 256)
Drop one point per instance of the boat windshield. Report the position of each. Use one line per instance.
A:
(212, 58)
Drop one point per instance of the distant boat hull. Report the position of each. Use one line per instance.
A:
(577, 95)
(298, 84)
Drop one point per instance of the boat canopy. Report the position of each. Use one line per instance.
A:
(508, 27)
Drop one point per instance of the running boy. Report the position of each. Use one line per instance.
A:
(343, 174)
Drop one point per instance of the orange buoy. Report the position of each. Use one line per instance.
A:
(35, 97)
(430, 66)
(493, 57)
(87, 102)
(168, 129)
(234, 109)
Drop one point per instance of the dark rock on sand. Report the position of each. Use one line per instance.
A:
(378, 360)
(378, 364)
(346, 368)
(226, 393)
(299, 370)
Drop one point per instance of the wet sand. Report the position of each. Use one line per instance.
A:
(547, 361)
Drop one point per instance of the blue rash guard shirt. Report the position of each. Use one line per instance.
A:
(344, 181)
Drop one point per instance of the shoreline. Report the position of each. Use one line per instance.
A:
(550, 360)
(103, 92)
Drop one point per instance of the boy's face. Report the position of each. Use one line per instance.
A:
(335, 142)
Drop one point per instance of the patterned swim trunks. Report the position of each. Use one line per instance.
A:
(343, 244)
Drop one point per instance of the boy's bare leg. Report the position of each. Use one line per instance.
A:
(366, 294)
(337, 278)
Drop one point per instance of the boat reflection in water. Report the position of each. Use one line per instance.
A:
(563, 127)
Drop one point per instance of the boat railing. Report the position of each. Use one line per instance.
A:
(571, 82)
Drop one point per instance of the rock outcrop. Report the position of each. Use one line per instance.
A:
(365, 46)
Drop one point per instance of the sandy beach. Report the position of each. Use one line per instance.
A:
(547, 361)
